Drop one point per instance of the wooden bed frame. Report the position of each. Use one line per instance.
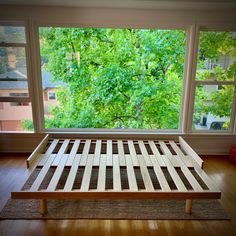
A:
(121, 169)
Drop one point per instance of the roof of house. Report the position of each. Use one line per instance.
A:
(16, 80)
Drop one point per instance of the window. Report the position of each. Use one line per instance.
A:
(16, 112)
(113, 78)
(51, 96)
(215, 81)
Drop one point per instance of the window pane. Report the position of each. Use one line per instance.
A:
(112, 78)
(217, 56)
(212, 108)
(12, 34)
(16, 116)
(13, 75)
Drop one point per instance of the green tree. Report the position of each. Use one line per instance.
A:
(115, 78)
(218, 49)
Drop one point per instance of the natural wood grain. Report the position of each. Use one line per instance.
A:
(190, 151)
(37, 150)
(13, 172)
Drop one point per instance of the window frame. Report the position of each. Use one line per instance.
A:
(188, 88)
(195, 83)
(25, 46)
(184, 27)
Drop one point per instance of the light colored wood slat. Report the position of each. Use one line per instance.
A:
(188, 161)
(121, 153)
(57, 163)
(72, 174)
(102, 173)
(206, 179)
(116, 174)
(130, 173)
(85, 152)
(199, 170)
(47, 165)
(160, 176)
(173, 173)
(174, 160)
(133, 153)
(73, 152)
(40, 157)
(164, 148)
(42, 174)
(37, 150)
(87, 173)
(47, 157)
(190, 151)
(145, 174)
(97, 152)
(57, 174)
(156, 154)
(48, 152)
(109, 152)
(193, 182)
(144, 153)
(62, 150)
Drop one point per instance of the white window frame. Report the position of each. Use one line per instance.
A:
(195, 83)
(25, 46)
(180, 129)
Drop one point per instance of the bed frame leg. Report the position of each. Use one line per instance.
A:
(43, 206)
(188, 206)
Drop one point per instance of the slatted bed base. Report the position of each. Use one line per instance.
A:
(115, 169)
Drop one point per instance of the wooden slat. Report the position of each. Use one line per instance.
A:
(49, 151)
(160, 176)
(156, 153)
(73, 152)
(72, 174)
(175, 177)
(57, 174)
(32, 158)
(116, 174)
(42, 174)
(62, 150)
(85, 152)
(121, 153)
(173, 173)
(133, 153)
(196, 186)
(47, 165)
(87, 173)
(164, 148)
(102, 173)
(145, 174)
(97, 152)
(131, 175)
(145, 153)
(190, 151)
(109, 152)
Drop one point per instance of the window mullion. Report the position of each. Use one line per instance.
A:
(34, 74)
(189, 86)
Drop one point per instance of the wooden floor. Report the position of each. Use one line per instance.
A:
(13, 172)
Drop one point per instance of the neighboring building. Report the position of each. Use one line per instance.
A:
(12, 113)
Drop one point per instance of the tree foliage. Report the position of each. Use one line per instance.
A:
(115, 78)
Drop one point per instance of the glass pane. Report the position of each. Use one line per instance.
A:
(217, 56)
(112, 78)
(13, 74)
(16, 116)
(12, 34)
(212, 108)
